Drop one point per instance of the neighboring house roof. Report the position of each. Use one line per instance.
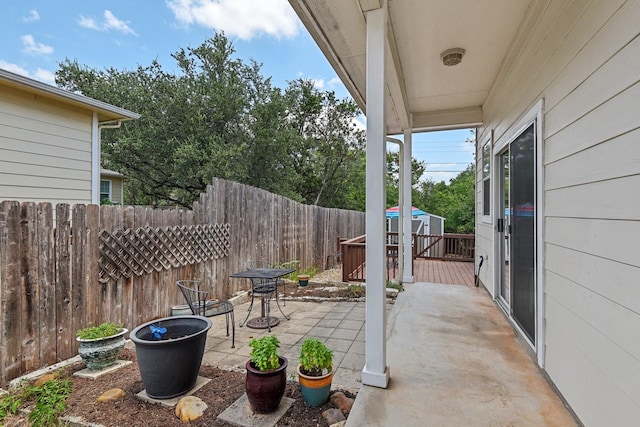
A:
(107, 172)
(106, 112)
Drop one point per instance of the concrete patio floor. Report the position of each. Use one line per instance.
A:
(454, 359)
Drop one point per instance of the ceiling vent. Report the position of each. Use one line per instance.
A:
(452, 56)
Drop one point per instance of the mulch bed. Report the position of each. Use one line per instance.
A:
(224, 389)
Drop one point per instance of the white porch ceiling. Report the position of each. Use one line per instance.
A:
(418, 84)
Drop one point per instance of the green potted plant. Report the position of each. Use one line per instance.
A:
(266, 374)
(315, 371)
(100, 346)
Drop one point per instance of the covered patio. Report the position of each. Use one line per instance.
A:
(456, 361)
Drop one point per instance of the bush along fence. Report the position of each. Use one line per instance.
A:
(81, 265)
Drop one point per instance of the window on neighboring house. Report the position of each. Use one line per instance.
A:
(486, 178)
(105, 190)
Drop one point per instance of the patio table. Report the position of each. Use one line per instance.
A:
(264, 282)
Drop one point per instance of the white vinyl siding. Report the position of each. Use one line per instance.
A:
(583, 59)
(45, 149)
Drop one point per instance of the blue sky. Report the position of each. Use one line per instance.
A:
(38, 34)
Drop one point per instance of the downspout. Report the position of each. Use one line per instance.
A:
(400, 206)
(96, 142)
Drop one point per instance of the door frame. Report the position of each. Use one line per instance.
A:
(533, 115)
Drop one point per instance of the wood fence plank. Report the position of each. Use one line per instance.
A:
(11, 304)
(65, 339)
(78, 268)
(92, 269)
(46, 274)
(29, 331)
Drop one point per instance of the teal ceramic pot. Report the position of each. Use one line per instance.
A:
(100, 353)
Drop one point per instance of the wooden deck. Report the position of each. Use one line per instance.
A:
(448, 272)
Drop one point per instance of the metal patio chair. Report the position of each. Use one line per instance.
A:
(200, 305)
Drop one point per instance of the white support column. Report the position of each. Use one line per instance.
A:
(376, 372)
(402, 165)
(405, 190)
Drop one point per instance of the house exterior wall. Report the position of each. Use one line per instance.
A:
(583, 59)
(45, 149)
(117, 189)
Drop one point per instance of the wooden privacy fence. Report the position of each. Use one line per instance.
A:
(88, 264)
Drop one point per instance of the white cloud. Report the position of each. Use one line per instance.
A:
(113, 23)
(335, 81)
(318, 83)
(110, 22)
(88, 23)
(33, 16)
(44, 76)
(30, 46)
(244, 19)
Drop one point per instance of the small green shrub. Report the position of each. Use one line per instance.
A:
(104, 330)
(315, 358)
(264, 353)
(394, 285)
(50, 401)
(356, 291)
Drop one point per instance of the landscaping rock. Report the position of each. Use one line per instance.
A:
(44, 379)
(333, 416)
(190, 408)
(343, 402)
(111, 395)
(340, 424)
(392, 293)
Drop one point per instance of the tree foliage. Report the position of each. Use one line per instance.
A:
(219, 117)
(454, 201)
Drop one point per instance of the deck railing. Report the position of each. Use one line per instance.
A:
(447, 247)
(459, 247)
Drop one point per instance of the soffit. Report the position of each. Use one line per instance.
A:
(436, 96)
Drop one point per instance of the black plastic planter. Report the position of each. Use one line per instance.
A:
(169, 362)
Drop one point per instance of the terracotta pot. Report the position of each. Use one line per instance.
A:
(100, 353)
(265, 389)
(315, 390)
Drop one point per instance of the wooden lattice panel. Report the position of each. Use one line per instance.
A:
(128, 253)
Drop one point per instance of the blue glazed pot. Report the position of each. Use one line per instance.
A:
(169, 363)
